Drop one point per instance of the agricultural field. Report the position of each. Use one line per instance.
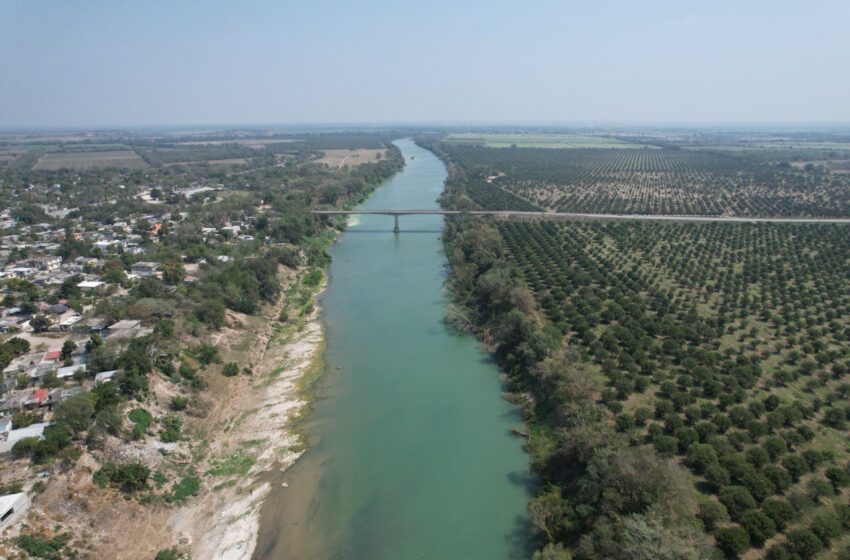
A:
(349, 158)
(126, 159)
(532, 140)
(684, 384)
(646, 181)
(725, 347)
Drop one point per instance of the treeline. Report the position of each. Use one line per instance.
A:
(600, 495)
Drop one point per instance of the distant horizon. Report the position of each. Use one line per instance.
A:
(105, 64)
(217, 127)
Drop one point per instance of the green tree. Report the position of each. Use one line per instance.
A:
(75, 412)
(68, 348)
(732, 540)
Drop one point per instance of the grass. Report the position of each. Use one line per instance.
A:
(188, 486)
(88, 160)
(237, 464)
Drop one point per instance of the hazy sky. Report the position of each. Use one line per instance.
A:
(151, 62)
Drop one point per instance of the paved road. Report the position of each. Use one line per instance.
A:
(581, 216)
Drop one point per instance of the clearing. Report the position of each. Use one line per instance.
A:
(88, 160)
(348, 158)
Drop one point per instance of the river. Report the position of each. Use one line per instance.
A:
(411, 455)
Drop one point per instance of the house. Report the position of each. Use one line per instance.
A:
(123, 326)
(66, 324)
(51, 356)
(105, 376)
(12, 507)
(103, 244)
(65, 393)
(69, 371)
(35, 399)
(47, 263)
(90, 285)
(144, 268)
(34, 430)
(26, 364)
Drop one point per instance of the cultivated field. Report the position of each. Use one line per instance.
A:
(349, 158)
(89, 160)
(530, 140)
(725, 347)
(641, 181)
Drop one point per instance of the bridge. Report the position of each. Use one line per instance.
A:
(578, 216)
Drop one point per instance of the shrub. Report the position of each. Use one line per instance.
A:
(778, 552)
(732, 540)
(666, 445)
(758, 485)
(838, 477)
(230, 369)
(737, 500)
(796, 466)
(41, 547)
(712, 512)
(172, 553)
(779, 511)
(758, 525)
(141, 420)
(23, 418)
(819, 488)
(130, 477)
(171, 431)
(804, 543)
(188, 486)
(179, 403)
(826, 525)
(778, 476)
(207, 354)
(24, 447)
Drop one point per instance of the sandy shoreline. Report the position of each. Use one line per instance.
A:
(224, 524)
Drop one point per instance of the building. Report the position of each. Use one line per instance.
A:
(144, 268)
(105, 376)
(69, 371)
(90, 285)
(14, 436)
(12, 507)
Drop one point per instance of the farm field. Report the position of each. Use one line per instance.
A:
(664, 181)
(531, 140)
(88, 160)
(349, 158)
(725, 347)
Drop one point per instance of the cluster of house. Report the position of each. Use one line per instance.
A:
(22, 379)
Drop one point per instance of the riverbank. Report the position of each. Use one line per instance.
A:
(411, 452)
(258, 414)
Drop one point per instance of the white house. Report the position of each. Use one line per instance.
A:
(33, 430)
(12, 506)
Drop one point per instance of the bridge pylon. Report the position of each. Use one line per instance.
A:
(396, 228)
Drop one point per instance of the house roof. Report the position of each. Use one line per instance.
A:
(124, 324)
(52, 355)
(69, 370)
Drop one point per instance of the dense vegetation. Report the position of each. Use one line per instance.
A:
(646, 181)
(685, 385)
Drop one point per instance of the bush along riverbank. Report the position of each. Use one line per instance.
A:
(601, 495)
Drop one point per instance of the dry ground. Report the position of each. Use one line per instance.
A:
(248, 414)
(350, 158)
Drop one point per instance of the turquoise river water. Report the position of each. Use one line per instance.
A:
(411, 455)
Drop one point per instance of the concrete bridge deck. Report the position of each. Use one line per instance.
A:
(579, 216)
